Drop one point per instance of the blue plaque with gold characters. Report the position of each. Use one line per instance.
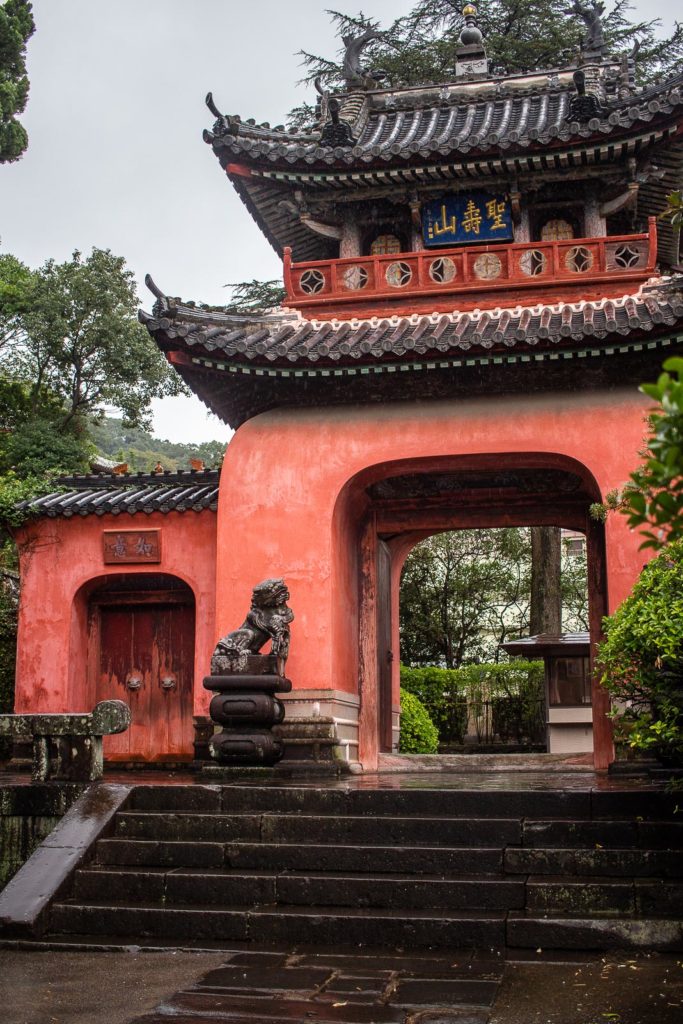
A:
(468, 217)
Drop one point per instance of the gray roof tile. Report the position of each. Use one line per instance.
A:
(366, 342)
(111, 494)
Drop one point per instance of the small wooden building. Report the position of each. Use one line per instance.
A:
(568, 687)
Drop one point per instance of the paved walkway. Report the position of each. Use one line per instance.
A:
(263, 987)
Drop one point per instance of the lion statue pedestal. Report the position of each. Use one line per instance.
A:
(245, 682)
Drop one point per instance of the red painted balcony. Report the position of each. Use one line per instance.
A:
(470, 277)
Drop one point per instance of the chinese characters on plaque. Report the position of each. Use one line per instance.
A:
(131, 546)
(467, 217)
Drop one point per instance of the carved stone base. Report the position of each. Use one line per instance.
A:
(311, 742)
(245, 705)
(246, 747)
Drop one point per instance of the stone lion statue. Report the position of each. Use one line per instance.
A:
(267, 619)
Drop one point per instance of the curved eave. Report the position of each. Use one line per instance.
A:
(243, 371)
(658, 111)
(281, 228)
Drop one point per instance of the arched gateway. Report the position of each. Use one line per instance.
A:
(475, 287)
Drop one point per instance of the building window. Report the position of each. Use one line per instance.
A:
(569, 682)
(556, 230)
(575, 546)
(385, 245)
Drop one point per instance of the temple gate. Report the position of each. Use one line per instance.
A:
(475, 284)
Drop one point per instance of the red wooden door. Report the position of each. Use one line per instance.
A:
(146, 658)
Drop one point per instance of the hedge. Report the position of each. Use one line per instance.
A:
(513, 689)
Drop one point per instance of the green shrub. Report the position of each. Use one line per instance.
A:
(451, 695)
(641, 658)
(418, 733)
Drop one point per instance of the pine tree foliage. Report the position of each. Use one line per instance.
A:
(16, 28)
(420, 47)
(254, 296)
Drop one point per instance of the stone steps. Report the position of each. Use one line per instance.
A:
(635, 863)
(320, 829)
(480, 801)
(417, 860)
(394, 868)
(324, 889)
(545, 894)
(342, 927)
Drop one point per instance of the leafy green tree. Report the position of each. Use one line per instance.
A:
(36, 449)
(16, 28)
(465, 592)
(80, 340)
(420, 46)
(16, 287)
(654, 501)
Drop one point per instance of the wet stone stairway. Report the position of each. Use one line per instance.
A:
(466, 867)
(334, 989)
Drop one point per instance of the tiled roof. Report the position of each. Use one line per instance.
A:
(289, 341)
(437, 122)
(100, 494)
(440, 137)
(241, 368)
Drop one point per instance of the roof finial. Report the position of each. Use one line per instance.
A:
(471, 53)
(471, 33)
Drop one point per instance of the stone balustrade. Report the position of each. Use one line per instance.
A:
(68, 747)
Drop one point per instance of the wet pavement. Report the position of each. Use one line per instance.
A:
(314, 987)
(533, 777)
(92, 988)
(611, 990)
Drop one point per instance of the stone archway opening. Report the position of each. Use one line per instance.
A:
(403, 503)
(464, 596)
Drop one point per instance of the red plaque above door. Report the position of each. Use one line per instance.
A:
(127, 546)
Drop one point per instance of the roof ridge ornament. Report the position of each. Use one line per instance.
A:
(593, 45)
(584, 106)
(336, 132)
(352, 70)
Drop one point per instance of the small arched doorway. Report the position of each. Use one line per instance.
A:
(141, 645)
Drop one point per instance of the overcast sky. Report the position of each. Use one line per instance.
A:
(116, 157)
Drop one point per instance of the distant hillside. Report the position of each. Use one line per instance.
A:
(142, 451)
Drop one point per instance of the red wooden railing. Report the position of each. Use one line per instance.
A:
(327, 285)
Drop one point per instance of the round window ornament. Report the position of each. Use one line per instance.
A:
(442, 270)
(578, 259)
(627, 256)
(312, 281)
(532, 262)
(354, 278)
(398, 274)
(488, 266)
